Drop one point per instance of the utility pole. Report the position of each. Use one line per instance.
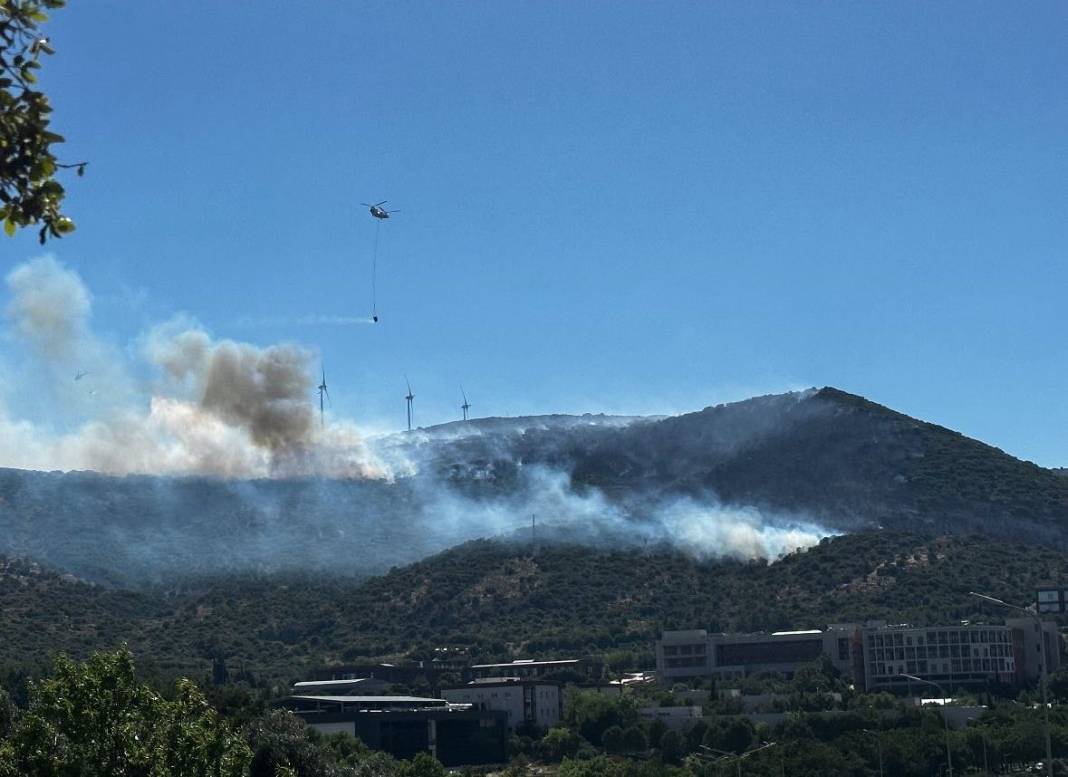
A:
(945, 719)
(1044, 664)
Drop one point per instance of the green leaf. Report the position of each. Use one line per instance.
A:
(9, 227)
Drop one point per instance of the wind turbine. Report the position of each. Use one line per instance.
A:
(408, 398)
(466, 405)
(323, 393)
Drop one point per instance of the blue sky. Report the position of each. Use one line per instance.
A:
(605, 206)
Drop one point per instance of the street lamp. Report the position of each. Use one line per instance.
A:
(945, 719)
(878, 745)
(1042, 676)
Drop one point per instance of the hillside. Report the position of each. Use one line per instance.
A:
(492, 599)
(784, 469)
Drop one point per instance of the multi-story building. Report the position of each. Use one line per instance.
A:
(694, 654)
(1035, 640)
(875, 655)
(527, 703)
(965, 654)
(1052, 599)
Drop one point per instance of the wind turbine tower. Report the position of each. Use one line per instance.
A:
(323, 393)
(408, 398)
(466, 405)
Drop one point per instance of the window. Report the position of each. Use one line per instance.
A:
(1049, 596)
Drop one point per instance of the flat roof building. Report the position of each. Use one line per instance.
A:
(694, 654)
(406, 725)
(527, 703)
(359, 686)
(949, 655)
(528, 669)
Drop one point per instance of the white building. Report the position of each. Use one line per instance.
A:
(527, 702)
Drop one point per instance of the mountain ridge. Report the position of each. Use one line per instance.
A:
(821, 458)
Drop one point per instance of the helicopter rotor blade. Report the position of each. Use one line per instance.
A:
(381, 203)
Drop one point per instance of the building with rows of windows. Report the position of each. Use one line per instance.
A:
(1052, 599)
(954, 655)
(875, 655)
(695, 654)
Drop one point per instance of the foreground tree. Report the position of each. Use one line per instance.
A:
(95, 720)
(29, 191)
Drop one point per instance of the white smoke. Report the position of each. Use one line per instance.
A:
(214, 407)
(182, 402)
(704, 529)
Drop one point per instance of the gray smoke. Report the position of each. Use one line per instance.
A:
(215, 407)
(183, 402)
(50, 309)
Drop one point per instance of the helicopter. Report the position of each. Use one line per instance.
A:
(378, 211)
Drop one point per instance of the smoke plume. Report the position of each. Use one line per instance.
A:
(285, 492)
(211, 407)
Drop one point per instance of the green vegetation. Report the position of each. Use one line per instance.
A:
(247, 637)
(95, 718)
(29, 191)
(492, 600)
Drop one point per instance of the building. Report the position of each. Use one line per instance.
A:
(682, 656)
(394, 674)
(1031, 634)
(965, 654)
(875, 654)
(1052, 599)
(583, 669)
(675, 718)
(406, 725)
(358, 686)
(527, 703)
(949, 655)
